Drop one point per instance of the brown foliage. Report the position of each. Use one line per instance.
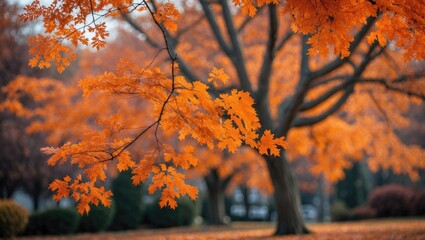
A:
(369, 230)
(391, 200)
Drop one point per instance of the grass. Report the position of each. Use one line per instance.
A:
(372, 229)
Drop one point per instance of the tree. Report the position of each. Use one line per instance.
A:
(8, 31)
(20, 150)
(223, 172)
(321, 86)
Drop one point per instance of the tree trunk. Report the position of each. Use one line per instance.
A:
(35, 202)
(216, 204)
(37, 193)
(324, 200)
(246, 202)
(288, 204)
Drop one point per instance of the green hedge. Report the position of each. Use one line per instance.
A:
(340, 211)
(165, 217)
(127, 198)
(97, 220)
(13, 218)
(55, 221)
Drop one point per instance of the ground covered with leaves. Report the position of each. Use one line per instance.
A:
(373, 229)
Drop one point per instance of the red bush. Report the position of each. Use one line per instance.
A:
(418, 203)
(391, 200)
(363, 212)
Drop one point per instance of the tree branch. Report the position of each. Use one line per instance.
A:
(173, 58)
(139, 29)
(360, 69)
(380, 108)
(184, 67)
(289, 109)
(325, 96)
(284, 40)
(261, 98)
(306, 121)
(390, 87)
(214, 27)
(249, 19)
(237, 57)
(328, 80)
(349, 89)
(189, 26)
(338, 62)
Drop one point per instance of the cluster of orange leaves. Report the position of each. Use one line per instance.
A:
(329, 23)
(224, 122)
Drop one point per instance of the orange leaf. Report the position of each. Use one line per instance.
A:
(269, 145)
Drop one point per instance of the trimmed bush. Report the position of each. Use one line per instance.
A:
(363, 212)
(391, 200)
(339, 211)
(97, 220)
(13, 218)
(165, 217)
(55, 221)
(127, 198)
(418, 203)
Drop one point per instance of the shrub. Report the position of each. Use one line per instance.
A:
(183, 215)
(13, 218)
(97, 220)
(391, 200)
(127, 198)
(363, 212)
(339, 211)
(418, 203)
(55, 221)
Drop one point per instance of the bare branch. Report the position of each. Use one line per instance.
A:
(266, 70)
(380, 108)
(139, 29)
(348, 86)
(189, 26)
(289, 109)
(370, 55)
(306, 121)
(237, 57)
(391, 87)
(284, 40)
(249, 19)
(325, 96)
(329, 80)
(215, 28)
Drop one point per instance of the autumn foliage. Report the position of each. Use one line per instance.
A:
(146, 108)
(183, 108)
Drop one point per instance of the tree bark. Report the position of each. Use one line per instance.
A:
(36, 202)
(324, 200)
(246, 202)
(216, 204)
(288, 204)
(36, 194)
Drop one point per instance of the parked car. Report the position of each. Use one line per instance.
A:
(309, 213)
